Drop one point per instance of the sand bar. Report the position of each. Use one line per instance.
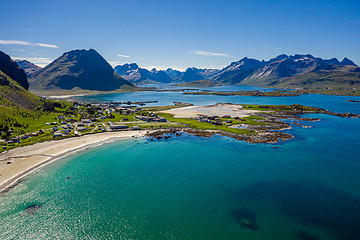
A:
(220, 109)
(18, 162)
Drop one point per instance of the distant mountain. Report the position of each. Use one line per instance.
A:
(161, 76)
(271, 71)
(133, 73)
(11, 69)
(237, 71)
(282, 69)
(138, 75)
(195, 74)
(324, 76)
(12, 94)
(175, 75)
(27, 66)
(191, 75)
(85, 69)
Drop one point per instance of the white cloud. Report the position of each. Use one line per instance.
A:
(210, 54)
(124, 56)
(46, 45)
(19, 42)
(41, 62)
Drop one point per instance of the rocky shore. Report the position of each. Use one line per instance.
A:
(259, 137)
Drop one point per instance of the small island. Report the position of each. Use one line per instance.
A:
(279, 92)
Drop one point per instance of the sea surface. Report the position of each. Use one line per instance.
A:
(190, 187)
(332, 103)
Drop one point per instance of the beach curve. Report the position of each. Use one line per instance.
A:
(19, 162)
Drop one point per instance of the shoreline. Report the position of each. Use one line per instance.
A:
(25, 160)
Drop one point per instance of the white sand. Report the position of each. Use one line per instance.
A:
(25, 160)
(214, 110)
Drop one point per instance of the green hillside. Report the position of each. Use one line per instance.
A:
(14, 96)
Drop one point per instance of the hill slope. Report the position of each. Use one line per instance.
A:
(12, 94)
(85, 69)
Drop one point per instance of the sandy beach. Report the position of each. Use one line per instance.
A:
(18, 162)
(221, 109)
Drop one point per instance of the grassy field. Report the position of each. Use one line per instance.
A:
(22, 122)
(195, 124)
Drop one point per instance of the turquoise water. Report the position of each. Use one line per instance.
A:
(199, 188)
(332, 103)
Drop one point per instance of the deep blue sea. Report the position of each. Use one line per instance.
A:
(190, 187)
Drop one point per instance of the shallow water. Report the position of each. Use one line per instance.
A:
(332, 103)
(200, 188)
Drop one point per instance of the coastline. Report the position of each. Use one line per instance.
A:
(25, 160)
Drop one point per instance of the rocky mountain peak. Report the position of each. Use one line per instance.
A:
(347, 61)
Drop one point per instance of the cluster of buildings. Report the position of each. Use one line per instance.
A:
(107, 108)
(216, 120)
(25, 136)
(113, 126)
(151, 118)
(65, 130)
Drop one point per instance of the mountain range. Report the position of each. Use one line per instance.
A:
(285, 68)
(138, 75)
(282, 71)
(133, 73)
(84, 69)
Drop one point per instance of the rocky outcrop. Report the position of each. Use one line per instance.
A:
(261, 137)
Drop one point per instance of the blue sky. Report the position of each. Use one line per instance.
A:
(180, 34)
